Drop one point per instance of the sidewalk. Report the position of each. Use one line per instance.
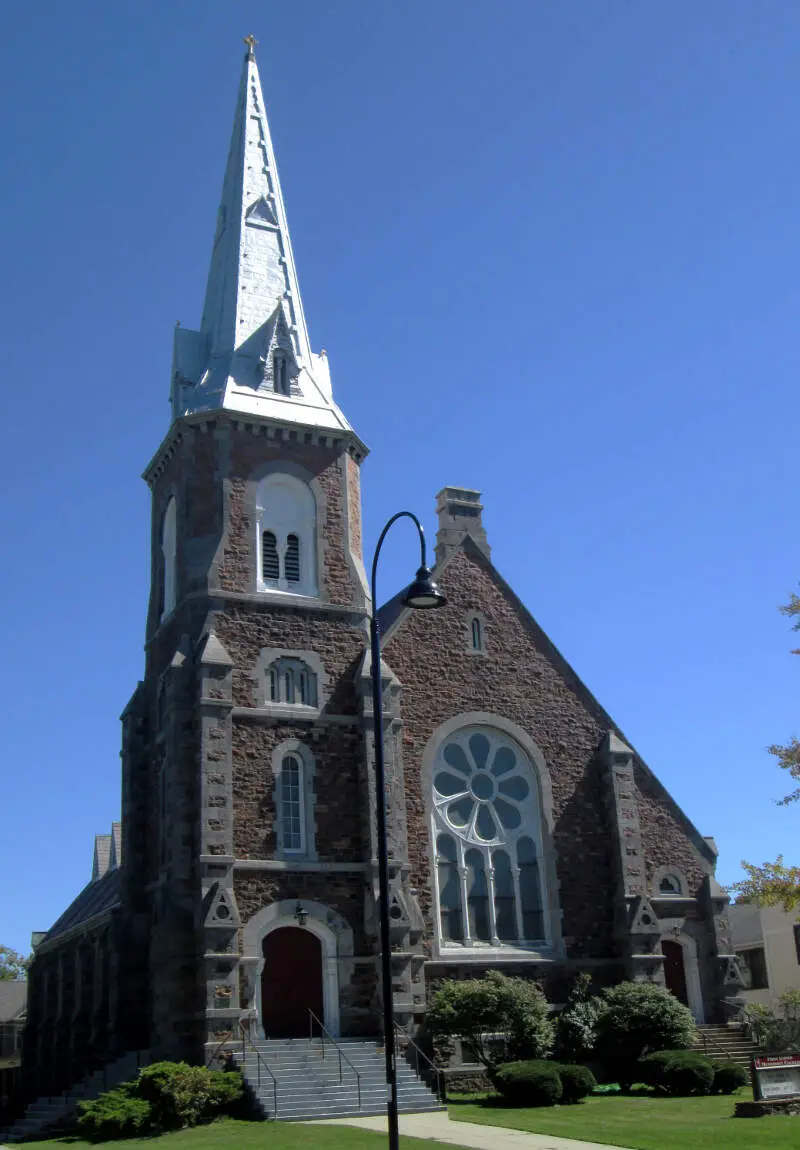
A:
(437, 1125)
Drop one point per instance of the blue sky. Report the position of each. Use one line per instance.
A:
(551, 249)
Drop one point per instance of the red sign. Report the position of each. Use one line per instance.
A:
(776, 1060)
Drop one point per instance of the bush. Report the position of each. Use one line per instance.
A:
(678, 1073)
(165, 1096)
(577, 1082)
(478, 1009)
(181, 1095)
(531, 1083)
(116, 1114)
(635, 1018)
(576, 1025)
(728, 1077)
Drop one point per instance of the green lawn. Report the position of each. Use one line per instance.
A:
(227, 1134)
(643, 1123)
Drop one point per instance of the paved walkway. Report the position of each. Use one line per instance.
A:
(437, 1125)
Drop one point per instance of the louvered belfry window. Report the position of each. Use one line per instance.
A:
(270, 567)
(291, 562)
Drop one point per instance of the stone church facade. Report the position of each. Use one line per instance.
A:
(525, 833)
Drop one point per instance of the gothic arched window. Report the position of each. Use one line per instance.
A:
(169, 539)
(293, 772)
(487, 830)
(286, 514)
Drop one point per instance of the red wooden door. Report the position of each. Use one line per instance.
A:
(291, 983)
(674, 970)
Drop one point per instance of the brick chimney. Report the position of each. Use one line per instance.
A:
(459, 510)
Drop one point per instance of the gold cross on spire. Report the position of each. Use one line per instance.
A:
(251, 42)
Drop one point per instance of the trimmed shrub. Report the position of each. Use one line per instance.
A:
(165, 1096)
(115, 1114)
(532, 1083)
(181, 1095)
(728, 1077)
(678, 1073)
(635, 1018)
(577, 1082)
(498, 1019)
(576, 1025)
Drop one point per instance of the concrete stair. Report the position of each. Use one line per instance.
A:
(307, 1083)
(726, 1043)
(45, 1113)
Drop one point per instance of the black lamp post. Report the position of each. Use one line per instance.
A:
(422, 594)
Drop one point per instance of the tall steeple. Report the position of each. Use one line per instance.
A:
(252, 353)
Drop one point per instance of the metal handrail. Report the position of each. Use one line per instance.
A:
(215, 1051)
(312, 1018)
(440, 1089)
(247, 1039)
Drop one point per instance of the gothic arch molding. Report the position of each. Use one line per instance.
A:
(541, 773)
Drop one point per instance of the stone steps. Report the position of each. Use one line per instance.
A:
(46, 1112)
(308, 1083)
(725, 1043)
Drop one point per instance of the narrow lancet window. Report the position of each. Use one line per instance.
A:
(477, 637)
(292, 559)
(270, 568)
(291, 806)
(280, 370)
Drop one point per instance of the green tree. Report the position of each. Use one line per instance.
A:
(12, 965)
(774, 883)
(636, 1018)
(479, 1010)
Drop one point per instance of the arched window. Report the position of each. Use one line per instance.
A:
(293, 772)
(477, 635)
(670, 884)
(291, 681)
(286, 515)
(291, 815)
(487, 830)
(169, 534)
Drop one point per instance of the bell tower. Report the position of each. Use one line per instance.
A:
(242, 747)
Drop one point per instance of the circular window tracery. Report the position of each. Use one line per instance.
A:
(481, 787)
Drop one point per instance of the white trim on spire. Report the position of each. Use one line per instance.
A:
(252, 295)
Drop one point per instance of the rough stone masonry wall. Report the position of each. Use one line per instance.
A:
(518, 678)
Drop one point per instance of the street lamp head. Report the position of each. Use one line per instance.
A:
(423, 594)
(300, 914)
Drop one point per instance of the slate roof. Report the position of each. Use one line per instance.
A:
(97, 897)
(13, 997)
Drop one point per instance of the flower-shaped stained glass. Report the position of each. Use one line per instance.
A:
(481, 787)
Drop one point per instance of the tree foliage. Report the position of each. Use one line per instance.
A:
(637, 1018)
(576, 1025)
(775, 884)
(12, 964)
(498, 1019)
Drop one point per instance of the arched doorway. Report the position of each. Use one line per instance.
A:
(291, 982)
(674, 970)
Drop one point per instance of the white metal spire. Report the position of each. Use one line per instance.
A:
(252, 353)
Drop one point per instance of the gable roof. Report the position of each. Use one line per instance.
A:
(393, 614)
(13, 998)
(100, 896)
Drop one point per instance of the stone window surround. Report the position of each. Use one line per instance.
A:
(551, 911)
(309, 533)
(300, 751)
(473, 616)
(269, 655)
(663, 872)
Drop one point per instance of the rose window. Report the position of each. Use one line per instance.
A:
(486, 830)
(480, 788)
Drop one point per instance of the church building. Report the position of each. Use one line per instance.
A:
(526, 835)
